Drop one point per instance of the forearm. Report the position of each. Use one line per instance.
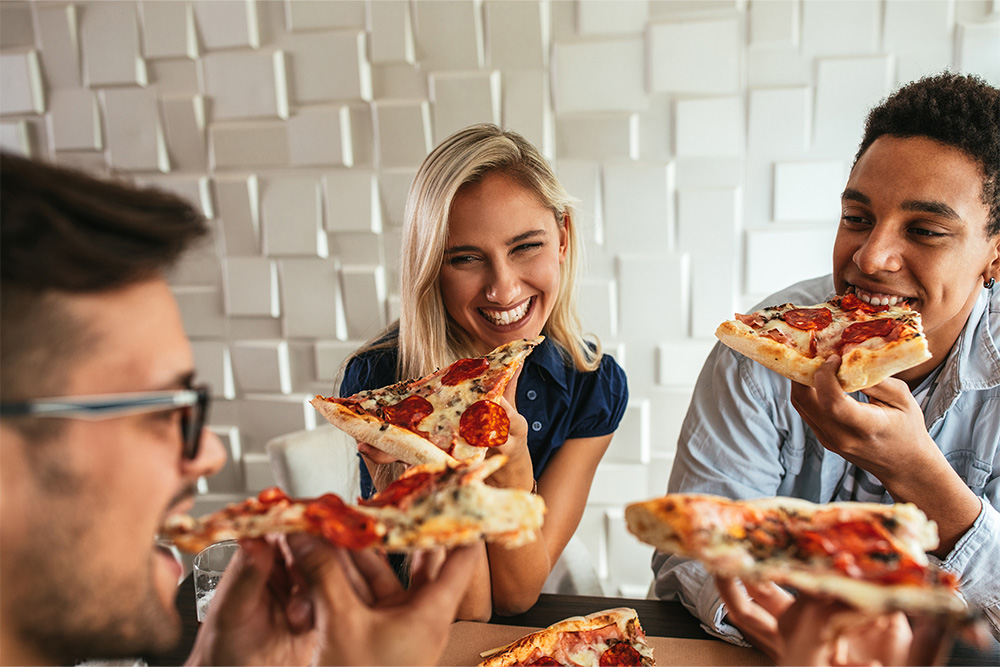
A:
(476, 604)
(518, 575)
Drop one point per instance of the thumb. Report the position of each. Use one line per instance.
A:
(245, 578)
(318, 562)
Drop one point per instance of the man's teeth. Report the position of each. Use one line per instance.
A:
(877, 299)
(505, 317)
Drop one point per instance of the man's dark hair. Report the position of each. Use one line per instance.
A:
(959, 110)
(64, 232)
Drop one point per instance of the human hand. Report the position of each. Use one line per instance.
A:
(874, 436)
(755, 608)
(363, 616)
(258, 615)
(374, 454)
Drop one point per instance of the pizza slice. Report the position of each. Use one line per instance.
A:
(443, 504)
(447, 415)
(869, 555)
(874, 342)
(609, 637)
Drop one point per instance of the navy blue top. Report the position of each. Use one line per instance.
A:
(559, 402)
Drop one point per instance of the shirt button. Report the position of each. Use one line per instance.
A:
(536, 426)
(532, 394)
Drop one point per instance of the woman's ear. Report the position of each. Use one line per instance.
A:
(564, 231)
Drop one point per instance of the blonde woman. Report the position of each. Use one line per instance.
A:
(489, 256)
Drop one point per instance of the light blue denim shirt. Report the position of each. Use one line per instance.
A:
(743, 439)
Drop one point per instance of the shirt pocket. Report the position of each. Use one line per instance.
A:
(974, 471)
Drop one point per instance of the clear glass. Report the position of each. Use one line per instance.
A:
(209, 566)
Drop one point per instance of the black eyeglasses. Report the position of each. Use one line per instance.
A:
(192, 404)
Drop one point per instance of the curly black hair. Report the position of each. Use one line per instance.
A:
(959, 110)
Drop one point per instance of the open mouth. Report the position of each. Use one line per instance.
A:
(503, 318)
(879, 299)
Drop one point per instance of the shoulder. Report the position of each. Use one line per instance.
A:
(370, 368)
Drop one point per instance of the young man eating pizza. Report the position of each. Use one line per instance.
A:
(920, 224)
(87, 482)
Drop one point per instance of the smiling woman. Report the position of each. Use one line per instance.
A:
(489, 256)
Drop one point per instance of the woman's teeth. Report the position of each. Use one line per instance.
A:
(505, 317)
(877, 299)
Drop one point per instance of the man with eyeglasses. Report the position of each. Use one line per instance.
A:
(102, 436)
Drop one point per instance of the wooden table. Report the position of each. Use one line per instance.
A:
(658, 618)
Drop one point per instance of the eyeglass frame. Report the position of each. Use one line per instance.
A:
(193, 402)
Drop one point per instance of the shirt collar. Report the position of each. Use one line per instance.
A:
(548, 357)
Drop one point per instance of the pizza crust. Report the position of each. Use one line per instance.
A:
(769, 353)
(405, 445)
(864, 367)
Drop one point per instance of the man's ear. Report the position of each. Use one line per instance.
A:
(993, 268)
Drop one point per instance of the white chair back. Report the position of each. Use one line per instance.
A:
(315, 461)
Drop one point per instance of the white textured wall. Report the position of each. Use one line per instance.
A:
(704, 138)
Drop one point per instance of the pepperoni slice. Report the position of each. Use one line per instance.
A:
(484, 424)
(545, 660)
(464, 369)
(809, 318)
(340, 524)
(408, 412)
(271, 497)
(850, 301)
(402, 489)
(862, 331)
(620, 654)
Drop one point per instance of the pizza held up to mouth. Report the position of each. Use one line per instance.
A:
(874, 341)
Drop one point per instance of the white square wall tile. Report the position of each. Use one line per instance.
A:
(230, 478)
(251, 286)
(21, 80)
(614, 66)
(168, 30)
(319, 15)
(598, 136)
(780, 121)
(808, 190)
(630, 443)
(699, 57)
(526, 108)
(292, 216)
(582, 179)
(135, 133)
(214, 366)
(16, 29)
(261, 366)
(774, 24)
(352, 201)
(404, 131)
(597, 301)
(599, 17)
(202, 310)
(195, 190)
(257, 472)
(462, 99)
(246, 84)
(638, 204)
(328, 66)
(247, 145)
(200, 265)
(449, 34)
(74, 121)
(109, 37)
(224, 25)
(15, 136)
(979, 49)
(238, 206)
(330, 357)
(391, 31)
(58, 37)
(175, 76)
(266, 416)
(184, 129)
(364, 300)
(834, 28)
(708, 230)
(668, 407)
(710, 127)
(646, 309)
(320, 136)
(805, 251)
(309, 298)
(846, 88)
(517, 34)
